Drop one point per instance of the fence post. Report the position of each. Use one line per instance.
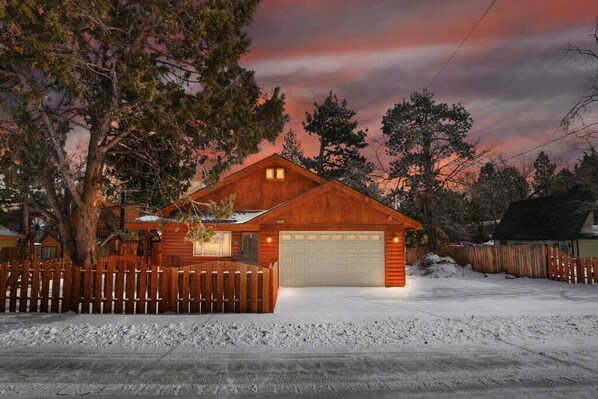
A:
(548, 262)
(173, 289)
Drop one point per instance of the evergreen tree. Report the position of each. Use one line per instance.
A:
(564, 181)
(358, 176)
(490, 195)
(340, 143)
(426, 141)
(291, 148)
(156, 87)
(586, 172)
(544, 175)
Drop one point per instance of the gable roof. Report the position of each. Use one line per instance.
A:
(335, 184)
(273, 159)
(556, 217)
(5, 232)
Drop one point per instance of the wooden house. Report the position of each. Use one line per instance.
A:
(568, 221)
(9, 238)
(48, 246)
(322, 233)
(8, 243)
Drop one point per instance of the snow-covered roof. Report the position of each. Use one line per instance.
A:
(238, 217)
(6, 232)
(589, 231)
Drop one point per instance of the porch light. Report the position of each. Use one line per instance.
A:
(269, 239)
(396, 239)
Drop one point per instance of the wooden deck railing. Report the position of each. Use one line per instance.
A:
(128, 284)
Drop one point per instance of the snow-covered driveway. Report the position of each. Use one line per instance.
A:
(465, 336)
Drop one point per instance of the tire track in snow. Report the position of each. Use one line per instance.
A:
(457, 373)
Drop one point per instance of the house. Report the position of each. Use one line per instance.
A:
(568, 221)
(322, 233)
(8, 243)
(9, 238)
(48, 246)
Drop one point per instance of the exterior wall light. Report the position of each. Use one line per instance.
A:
(396, 239)
(269, 239)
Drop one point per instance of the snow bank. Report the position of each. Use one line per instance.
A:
(355, 335)
(435, 266)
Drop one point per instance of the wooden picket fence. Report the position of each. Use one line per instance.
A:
(564, 267)
(128, 284)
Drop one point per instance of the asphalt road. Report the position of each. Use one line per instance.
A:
(508, 372)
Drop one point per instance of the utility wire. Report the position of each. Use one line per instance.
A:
(552, 141)
(462, 43)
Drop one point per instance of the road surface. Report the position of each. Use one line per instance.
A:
(494, 372)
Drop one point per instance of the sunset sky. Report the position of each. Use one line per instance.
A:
(511, 74)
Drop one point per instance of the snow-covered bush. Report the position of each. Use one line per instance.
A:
(435, 266)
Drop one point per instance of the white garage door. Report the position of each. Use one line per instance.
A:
(331, 258)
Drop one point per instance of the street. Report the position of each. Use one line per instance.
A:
(495, 372)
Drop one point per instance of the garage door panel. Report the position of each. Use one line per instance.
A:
(336, 258)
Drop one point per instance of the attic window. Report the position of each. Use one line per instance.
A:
(274, 173)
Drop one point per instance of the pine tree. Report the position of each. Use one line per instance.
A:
(544, 175)
(291, 148)
(496, 187)
(426, 141)
(340, 143)
(157, 87)
(586, 172)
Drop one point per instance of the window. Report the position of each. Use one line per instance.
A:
(275, 174)
(220, 245)
(49, 252)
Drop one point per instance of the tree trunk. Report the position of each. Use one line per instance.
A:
(88, 212)
(429, 222)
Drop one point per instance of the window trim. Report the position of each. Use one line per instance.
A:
(275, 174)
(48, 248)
(223, 253)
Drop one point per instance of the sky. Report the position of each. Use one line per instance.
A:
(511, 74)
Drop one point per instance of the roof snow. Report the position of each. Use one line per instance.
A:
(6, 232)
(238, 217)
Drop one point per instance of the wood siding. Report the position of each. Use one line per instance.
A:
(331, 207)
(268, 250)
(177, 252)
(255, 192)
(394, 255)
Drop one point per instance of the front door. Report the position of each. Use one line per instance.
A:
(250, 242)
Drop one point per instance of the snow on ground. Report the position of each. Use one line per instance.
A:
(467, 309)
(436, 266)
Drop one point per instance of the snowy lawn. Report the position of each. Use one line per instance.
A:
(467, 309)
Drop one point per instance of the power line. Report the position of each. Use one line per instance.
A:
(552, 141)
(462, 43)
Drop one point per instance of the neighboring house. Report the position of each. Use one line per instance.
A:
(8, 243)
(48, 246)
(9, 238)
(322, 233)
(568, 221)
